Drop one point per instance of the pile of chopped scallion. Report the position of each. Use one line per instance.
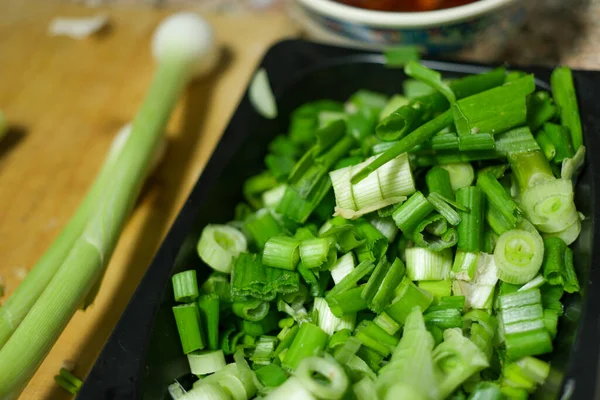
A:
(405, 247)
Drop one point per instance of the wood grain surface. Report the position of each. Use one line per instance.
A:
(65, 99)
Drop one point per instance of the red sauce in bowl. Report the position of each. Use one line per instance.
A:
(405, 5)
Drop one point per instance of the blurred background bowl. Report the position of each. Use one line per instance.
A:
(436, 32)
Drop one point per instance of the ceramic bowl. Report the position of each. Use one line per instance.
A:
(436, 32)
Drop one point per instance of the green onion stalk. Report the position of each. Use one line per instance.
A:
(85, 248)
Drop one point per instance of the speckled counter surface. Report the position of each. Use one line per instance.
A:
(556, 32)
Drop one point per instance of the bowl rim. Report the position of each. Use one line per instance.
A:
(422, 19)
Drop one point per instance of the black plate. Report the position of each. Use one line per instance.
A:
(143, 354)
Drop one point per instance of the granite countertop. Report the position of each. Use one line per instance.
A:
(556, 32)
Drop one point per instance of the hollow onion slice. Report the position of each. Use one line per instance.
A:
(549, 205)
(219, 245)
(261, 96)
(202, 363)
(461, 174)
(568, 235)
(332, 387)
(518, 256)
(292, 389)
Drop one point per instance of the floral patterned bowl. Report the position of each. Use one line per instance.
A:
(442, 31)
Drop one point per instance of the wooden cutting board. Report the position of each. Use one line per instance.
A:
(66, 99)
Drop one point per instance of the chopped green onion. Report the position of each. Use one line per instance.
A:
(65, 379)
(426, 265)
(187, 318)
(444, 209)
(458, 359)
(297, 208)
(386, 226)
(572, 166)
(479, 290)
(364, 389)
(375, 338)
(444, 141)
(256, 185)
(433, 78)
(412, 211)
(481, 141)
(427, 106)
(535, 283)
(252, 310)
(176, 391)
(261, 95)
(340, 338)
(315, 252)
(498, 198)
(309, 341)
(272, 197)
(387, 323)
(569, 276)
(546, 145)
(518, 256)
(540, 109)
(343, 267)
(461, 174)
(408, 296)
(407, 143)
(410, 374)
(563, 90)
(400, 56)
(470, 228)
(388, 186)
(518, 140)
(522, 319)
(366, 101)
(438, 181)
(264, 350)
(209, 308)
(292, 388)
(259, 328)
(550, 205)
(281, 252)
(347, 302)
(439, 289)
(465, 265)
(250, 277)
(206, 363)
(381, 284)
(311, 279)
(262, 226)
(394, 103)
(560, 138)
(525, 373)
(219, 245)
(350, 280)
(530, 168)
(185, 286)
(495, 110)
(554, 260)
(286, 337)
(328, 322)
(271, 375)
(218, 284)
